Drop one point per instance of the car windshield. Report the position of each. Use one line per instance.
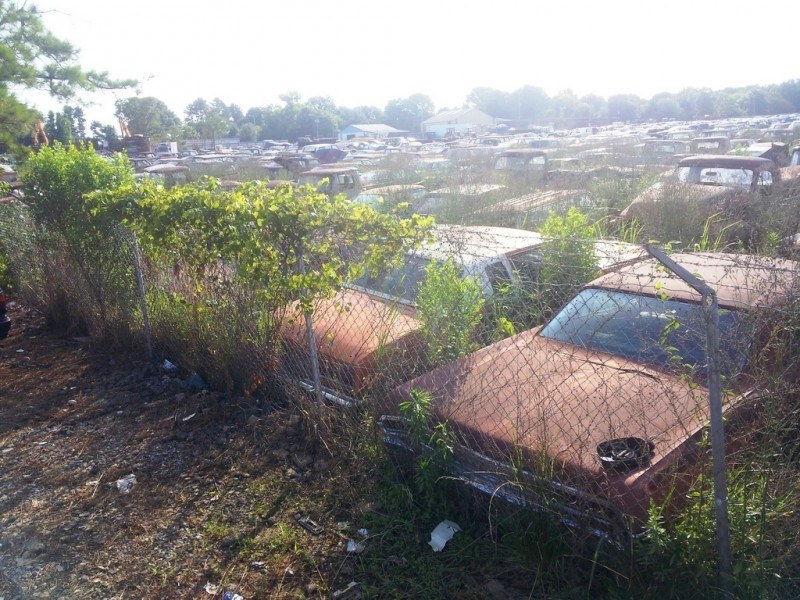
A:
(401, 284)
(656, 331)
(518, 163)
(739, 178)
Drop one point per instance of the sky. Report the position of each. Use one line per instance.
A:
(367, 52)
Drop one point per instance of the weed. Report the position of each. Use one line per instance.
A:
(449, 308)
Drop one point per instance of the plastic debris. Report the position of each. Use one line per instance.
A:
(442, 534)
(355, 547)
(308, 524)
(125, 484)
(363, 532)
(349, 591)
(168, 367)
(228, 595)
(211, 588)
(187, 418)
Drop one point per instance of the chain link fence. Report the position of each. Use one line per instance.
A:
(571, 373)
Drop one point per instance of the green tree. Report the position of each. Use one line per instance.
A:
(592, 106)
(147, 116)
(87, 267)
(78, 121)
(493, 102)
(529, 103)
(103, 135)
(279, 247)
(663, 106)
(196, 111)
(248, 132)
(695, 103)
(407, 114)
(564, 104)
(790, 90)
(257, 116)
(360, 114)
(324, 104)
(31, 57)
(625, 107)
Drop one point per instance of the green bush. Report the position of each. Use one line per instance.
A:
(568, 261)
(449, 311)
(226, 267)
(87, 277)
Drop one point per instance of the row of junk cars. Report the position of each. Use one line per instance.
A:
(595, 405)
(594, 415)
(599, 410)
(515, 179)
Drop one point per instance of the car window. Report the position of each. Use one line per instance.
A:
(526, 266)
(724, 176)
(401, 283)
(651, 330)
(498, 276)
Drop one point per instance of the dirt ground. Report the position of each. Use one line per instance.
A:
(218, 482)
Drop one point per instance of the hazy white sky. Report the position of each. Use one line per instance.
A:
(367, 52)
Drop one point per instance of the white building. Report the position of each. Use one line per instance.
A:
(462, 121)
(376, 131)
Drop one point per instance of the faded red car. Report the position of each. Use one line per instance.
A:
(371, 331)
(721, 182)
(604, 409)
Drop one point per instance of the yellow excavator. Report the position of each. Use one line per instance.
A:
(39, 136)
(123, 128)
(132, 143)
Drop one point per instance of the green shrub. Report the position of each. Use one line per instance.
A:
(568, 261)
(87, 279)
(449, 311)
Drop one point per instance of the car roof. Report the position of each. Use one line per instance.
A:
(727, 161)
(739, 280)
(328, 170)
(475, 243)
(394, 189)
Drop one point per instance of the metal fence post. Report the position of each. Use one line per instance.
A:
(312, 346)
(711, 313)
(137, 264)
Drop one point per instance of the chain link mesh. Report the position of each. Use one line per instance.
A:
(595, 416)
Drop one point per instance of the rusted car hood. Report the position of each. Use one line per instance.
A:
(553, 403)
(353, 326)
(681, 191)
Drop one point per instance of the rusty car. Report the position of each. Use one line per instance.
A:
(369, 335)
(722, 183)
(333, 179)
(602, 412)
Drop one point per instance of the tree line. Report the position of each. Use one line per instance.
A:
(320, 117)
(32, 58)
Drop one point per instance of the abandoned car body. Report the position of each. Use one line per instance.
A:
(333, 180)
(720, 182)
(377, 315)
(374, 324)
(603, 410)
